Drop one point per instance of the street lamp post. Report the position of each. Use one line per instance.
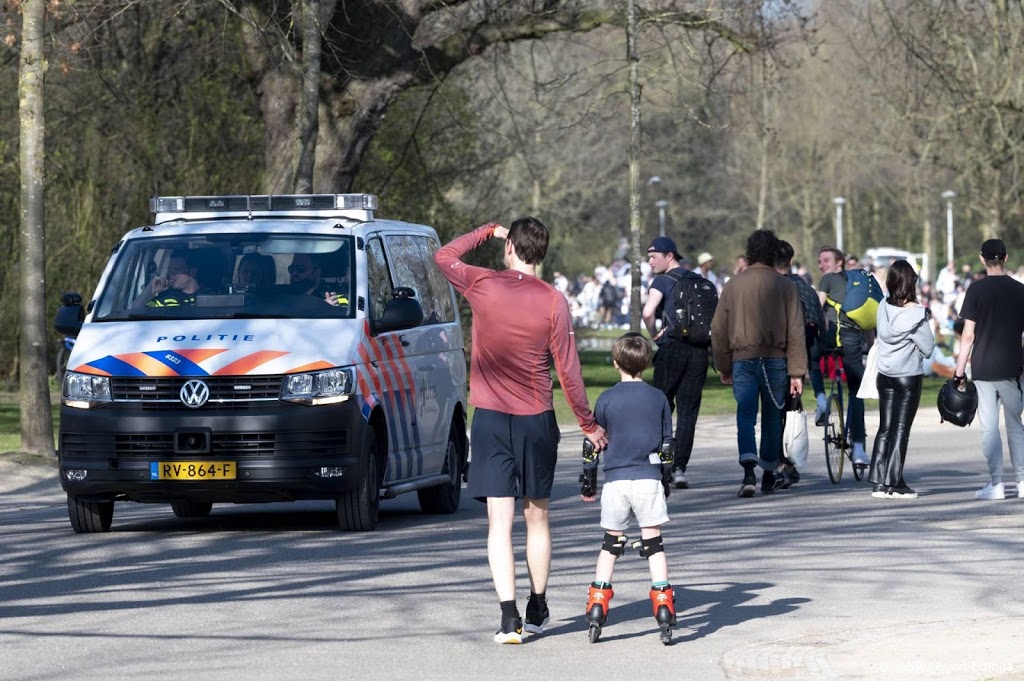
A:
(949, 195)
(655, 184)
(839, 201)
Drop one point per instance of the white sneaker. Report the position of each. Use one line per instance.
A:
(991, 491)
(860, 456)
(1020, 490)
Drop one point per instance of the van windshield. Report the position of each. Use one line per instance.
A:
(217, 276)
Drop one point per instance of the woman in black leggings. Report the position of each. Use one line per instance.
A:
(904, 337)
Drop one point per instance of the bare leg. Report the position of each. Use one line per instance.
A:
(658, 562)
(500, 513)
(538, 543)
(606, 563)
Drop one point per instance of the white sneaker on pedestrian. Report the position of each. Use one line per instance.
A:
(1020, 490)
(991, 491)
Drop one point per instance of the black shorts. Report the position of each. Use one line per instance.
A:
(513, 456)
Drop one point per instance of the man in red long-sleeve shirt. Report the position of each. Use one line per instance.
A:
(520, 325)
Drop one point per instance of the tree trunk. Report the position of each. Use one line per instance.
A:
(377, 50)
(634, 166)
(307, 120)
(36, 422)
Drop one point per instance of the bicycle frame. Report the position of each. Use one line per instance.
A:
(838, 445)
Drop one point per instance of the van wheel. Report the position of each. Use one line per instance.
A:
(90, 516)
(445, 498)
(191, 509)
(359, 508)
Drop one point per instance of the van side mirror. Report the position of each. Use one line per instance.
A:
(403, 311)
(69, 317)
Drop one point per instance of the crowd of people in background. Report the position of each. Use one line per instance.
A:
(601, 298)
(764, 329)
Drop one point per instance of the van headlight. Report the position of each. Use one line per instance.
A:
(319, 387)
(85, 391)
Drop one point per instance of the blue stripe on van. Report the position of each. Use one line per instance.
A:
(183, 365)
(115, 367)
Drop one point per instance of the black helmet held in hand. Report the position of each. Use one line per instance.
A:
(958, 406)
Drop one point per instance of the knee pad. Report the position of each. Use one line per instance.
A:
(649, 547)
(614, 544)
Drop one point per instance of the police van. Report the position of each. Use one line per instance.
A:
(264, 348)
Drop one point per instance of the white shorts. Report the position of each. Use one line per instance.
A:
(643, 499)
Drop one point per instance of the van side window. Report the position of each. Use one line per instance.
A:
(440, 290)
(412, 266)
(378, 279)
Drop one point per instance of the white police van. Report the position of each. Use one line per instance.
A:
(264, 348)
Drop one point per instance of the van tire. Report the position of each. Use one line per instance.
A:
(443, 499)
(359, 508)
(90, 516)
(191, 509)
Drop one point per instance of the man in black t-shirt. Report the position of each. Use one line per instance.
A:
(993, 313)
(680, 369)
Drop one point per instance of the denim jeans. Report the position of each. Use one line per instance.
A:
(853, 365)
(749, 387)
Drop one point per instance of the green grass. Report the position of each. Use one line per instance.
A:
(10, 424)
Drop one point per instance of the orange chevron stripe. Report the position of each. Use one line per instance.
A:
(146, 364)
(400, 370)
(406, 370)
(86, 369)
(197, 355)
(312, 366)
(249, 362)
(364, 387)
(364, 356)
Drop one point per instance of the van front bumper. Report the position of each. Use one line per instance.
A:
(280, 453)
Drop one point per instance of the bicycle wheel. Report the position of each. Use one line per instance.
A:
(835, 440)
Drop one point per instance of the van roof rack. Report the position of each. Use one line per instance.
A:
(357, 207)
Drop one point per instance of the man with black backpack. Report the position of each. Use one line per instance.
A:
(685, 303)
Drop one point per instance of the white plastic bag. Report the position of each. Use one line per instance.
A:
(869, 384)
(795, 443)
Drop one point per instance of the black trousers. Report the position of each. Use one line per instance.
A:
(898, 402)
(680, 370)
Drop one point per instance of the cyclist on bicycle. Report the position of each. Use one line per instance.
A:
(851, 343)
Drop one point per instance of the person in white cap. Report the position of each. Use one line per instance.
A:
(706, 269)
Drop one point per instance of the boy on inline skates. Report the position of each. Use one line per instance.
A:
(637, 463)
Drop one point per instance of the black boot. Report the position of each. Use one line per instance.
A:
(749, 479)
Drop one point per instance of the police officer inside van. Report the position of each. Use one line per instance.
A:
(178, 288)
(306, 275)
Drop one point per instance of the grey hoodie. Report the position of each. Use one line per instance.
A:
(904, 336)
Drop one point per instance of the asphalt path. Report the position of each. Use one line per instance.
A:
(819, 581)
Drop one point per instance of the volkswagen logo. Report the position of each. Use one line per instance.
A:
(194, 394)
